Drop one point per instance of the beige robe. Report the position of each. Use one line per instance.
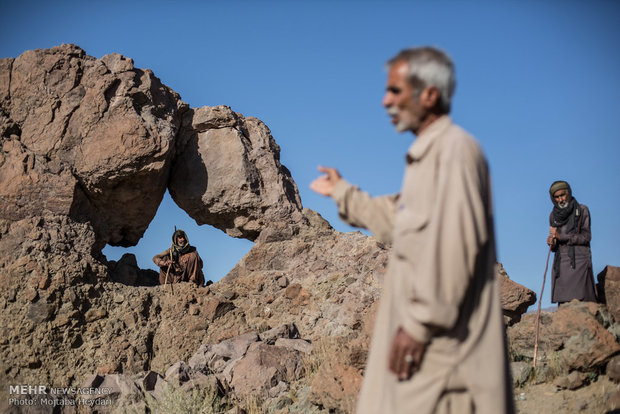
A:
(440, 285)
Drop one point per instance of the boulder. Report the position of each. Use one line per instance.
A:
(120, 391)
(521, 372)
(613, 369)
(515, 297)
(235, 348)
(263, 367)
(126, 270)
(572, 381)
(178, 373)
(82, 136)
(226, 160)
(296, 344)
(609, 281)
(335, 387)
(283, 331)
(573, 334)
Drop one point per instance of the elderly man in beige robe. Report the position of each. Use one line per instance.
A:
(438, 343)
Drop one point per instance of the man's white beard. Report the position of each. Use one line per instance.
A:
(563, 205)
(401, 126)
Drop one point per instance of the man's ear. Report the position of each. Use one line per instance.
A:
(429, 98)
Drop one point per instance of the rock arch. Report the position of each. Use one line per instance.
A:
(100, 141)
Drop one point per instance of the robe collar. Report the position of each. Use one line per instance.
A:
(425, 140)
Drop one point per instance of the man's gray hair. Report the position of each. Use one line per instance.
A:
(429, 67)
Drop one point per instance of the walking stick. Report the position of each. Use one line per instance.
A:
(168, 271)
(539, 303)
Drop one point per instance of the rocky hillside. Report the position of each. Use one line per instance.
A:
(89, 147)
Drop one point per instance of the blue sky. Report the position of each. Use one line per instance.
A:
(537, 83)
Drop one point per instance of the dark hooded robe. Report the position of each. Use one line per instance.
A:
(180, 263)
(572, 276)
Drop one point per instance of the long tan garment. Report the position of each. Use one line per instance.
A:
(440, 284)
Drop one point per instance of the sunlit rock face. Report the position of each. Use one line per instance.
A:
(228, 174)
(95, 139)
(89, 138)
(87, 149)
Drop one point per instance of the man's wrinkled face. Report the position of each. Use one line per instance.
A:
(181, 241)
(401, 100)
(561, 198)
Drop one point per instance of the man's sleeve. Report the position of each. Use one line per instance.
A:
(359, 209)
(158, 258)
(457, 231)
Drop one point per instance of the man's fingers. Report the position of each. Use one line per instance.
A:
(400, 358)
(395, 358)
(332, 173)
(325, 184)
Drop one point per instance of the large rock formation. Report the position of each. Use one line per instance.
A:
(88, 148)
(96, 139)
(85, 138)
(228, 174)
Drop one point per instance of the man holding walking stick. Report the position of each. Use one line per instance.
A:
(180, 263)
(438, 344)
(569, 238)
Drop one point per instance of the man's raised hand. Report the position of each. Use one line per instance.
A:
(325, 184)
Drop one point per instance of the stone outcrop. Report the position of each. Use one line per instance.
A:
(573, 338)
(515, 297)
(609, 290)
(100, 141)
(92, 139)
(228, 174)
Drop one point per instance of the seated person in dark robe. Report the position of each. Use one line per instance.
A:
(180, 263)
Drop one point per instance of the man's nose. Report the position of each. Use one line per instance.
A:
(387, 100)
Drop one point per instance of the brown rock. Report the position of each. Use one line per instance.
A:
(296, 344)
(235, 347)
(613, 402)
(201, 381)
(292, 291)
(240, 160)
(263, 367)
(92, 381)
(93, 135)
(573, 332)
(121, 390)
(335, 387)
(178, 373)
(572, 381)
(126, 271)
(215, 308)
(609, 280)
(283, 331)
(282, 281)
(515, 297)
(613, 369)
(95, 313)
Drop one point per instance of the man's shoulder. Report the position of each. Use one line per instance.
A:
(461, 144)
(458, 133)
(192, 251)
